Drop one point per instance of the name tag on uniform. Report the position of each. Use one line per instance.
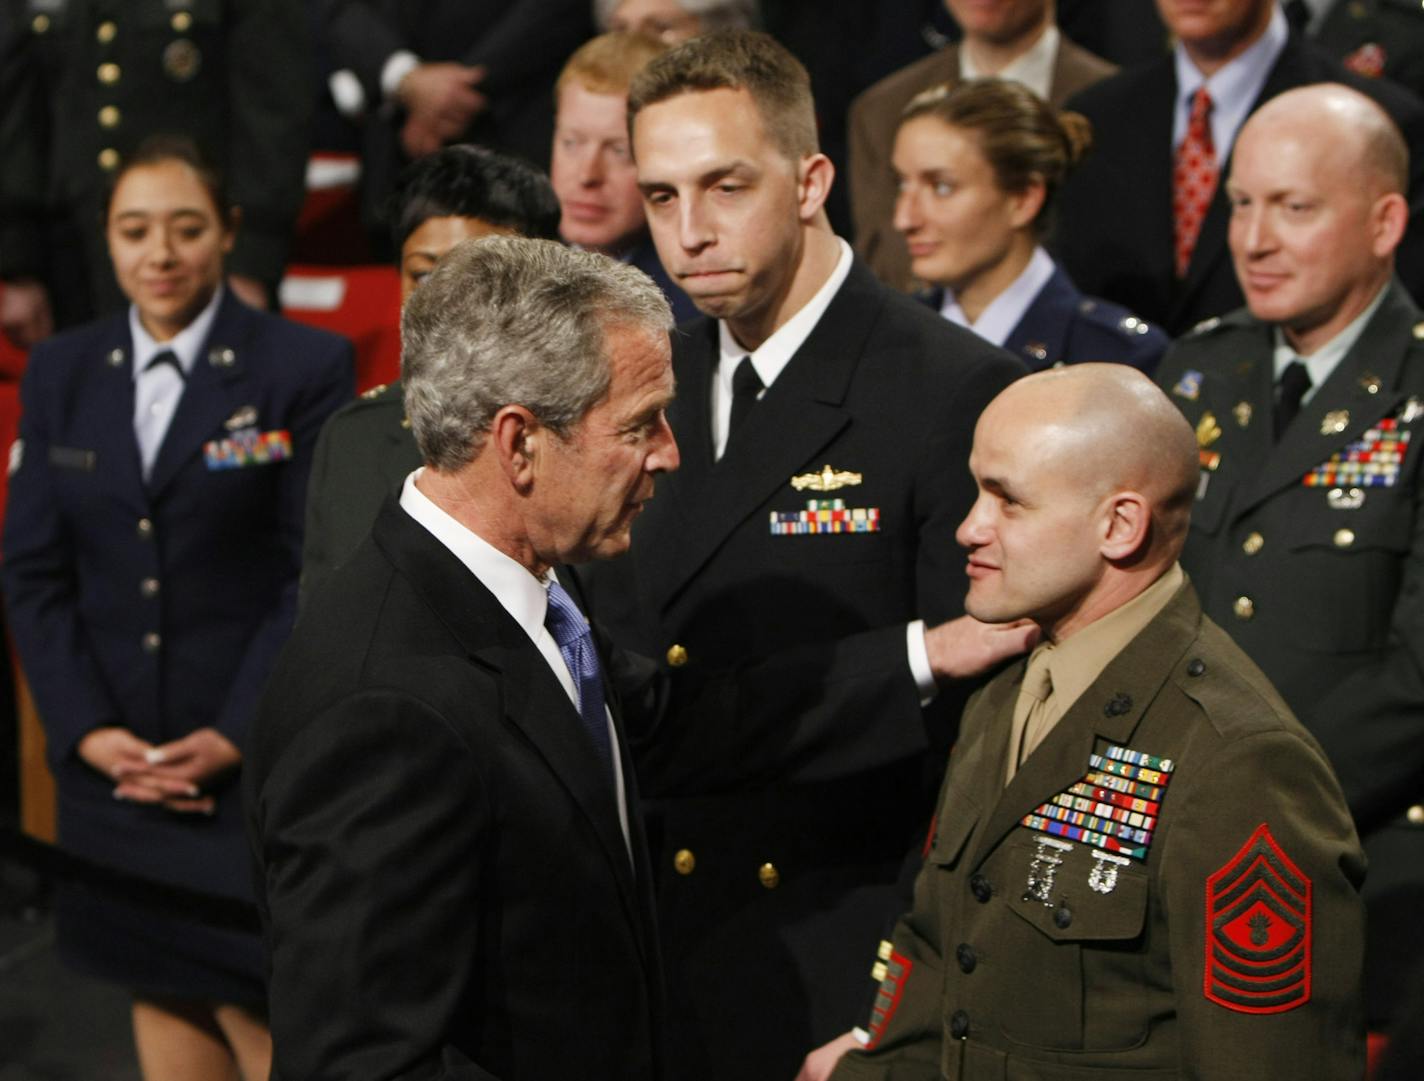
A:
(248, 448)
(73, 458)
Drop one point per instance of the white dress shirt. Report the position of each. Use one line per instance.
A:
(997, 321)
(519, 593)
(1233, 88)
(1033, 68)
(158, 391)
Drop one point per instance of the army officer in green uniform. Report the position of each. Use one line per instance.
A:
(1142, 865)
(366, 449)
(1306, 536)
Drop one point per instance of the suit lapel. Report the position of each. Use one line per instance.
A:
(210, 395)
(798, 416)
(1377, 358)
(534, 701)
(1136, 674)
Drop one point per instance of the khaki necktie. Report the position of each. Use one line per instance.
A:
(1033, 712)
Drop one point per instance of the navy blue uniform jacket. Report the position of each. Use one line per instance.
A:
(159, 606)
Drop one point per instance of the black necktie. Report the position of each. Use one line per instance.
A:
(1297, 14)
(1295, 381)
(166, 357)
(746, 385)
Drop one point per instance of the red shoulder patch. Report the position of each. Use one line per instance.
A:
(1258, 930)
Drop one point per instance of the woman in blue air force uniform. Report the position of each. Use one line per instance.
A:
(151, 552)
(979, 166)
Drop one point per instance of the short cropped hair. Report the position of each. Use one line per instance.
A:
(737, 60)
(471, 182)
(1021, 136)
(512, 321)
(606, 64)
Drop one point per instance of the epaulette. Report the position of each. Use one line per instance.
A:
(1111, 317)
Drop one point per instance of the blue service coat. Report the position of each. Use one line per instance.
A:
(160, 605)
(1063, 326)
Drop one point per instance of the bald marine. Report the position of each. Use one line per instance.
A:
(1086, 476)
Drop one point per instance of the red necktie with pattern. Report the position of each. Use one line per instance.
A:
(1193, 180)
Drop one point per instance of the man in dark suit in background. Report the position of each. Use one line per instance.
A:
(1012, 39)
(1373, 38)
(1306, 541)
(422, 75)
(1143, 218)
(366, 449)
(452, 875)
(824, 422)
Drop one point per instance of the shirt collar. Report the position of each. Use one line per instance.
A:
(1234, 87)
(1005, 311)
(771, 358)
(1077, 661)
(184, 345)
(1321, 363)
(519, 593)
(1033, 68)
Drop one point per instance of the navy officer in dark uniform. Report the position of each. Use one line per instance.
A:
(85, 80)
(152, 540)
(1306, 540)
(979, 166)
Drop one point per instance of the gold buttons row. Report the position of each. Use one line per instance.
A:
(107, 31)
(685, 862)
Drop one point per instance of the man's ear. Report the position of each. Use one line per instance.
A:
(1127, 526)
(815, 175)
(515, 437)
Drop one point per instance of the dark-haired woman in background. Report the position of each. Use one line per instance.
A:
(458, 193)
(152, 544)
(978, 168)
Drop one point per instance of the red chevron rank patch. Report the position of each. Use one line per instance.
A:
(1258, 932)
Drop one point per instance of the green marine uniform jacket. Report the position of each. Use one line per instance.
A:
(1224, 941)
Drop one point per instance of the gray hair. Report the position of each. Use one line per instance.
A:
(714, 14)
(514, 321)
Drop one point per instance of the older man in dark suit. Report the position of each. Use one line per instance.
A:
(1010, 39)
(452, 872)
(824, 421)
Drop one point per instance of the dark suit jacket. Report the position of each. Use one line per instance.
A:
(237, 79)
(521, 45)
(1115, 211)
(874, 116)
(447, 890)
(1319, 592)
(796, 841)
(1062, 326)
(159, 606)
(993, 981)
